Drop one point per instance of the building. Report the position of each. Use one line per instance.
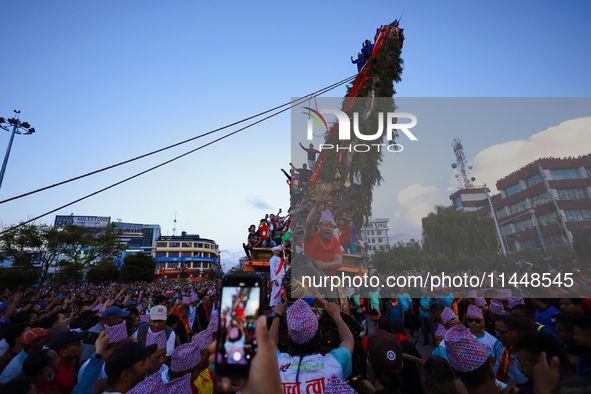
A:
(375, 234)
(138, 237)
(186, 255)
(466, 200)
(543, 204)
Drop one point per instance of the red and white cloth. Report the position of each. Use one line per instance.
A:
(158, 338)
(447, 315)
(496, 307)
(474, 312)
(515, 301)
(185, 357)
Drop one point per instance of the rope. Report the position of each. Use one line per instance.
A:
(168, 161)
(414, 359)
(330, 87)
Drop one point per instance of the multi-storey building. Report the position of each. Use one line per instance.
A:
(467, 200)
(544, 203)
(138, 237)
(186, 255)
(375, 234)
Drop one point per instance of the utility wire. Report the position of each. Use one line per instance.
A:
(295, 102)
(171, 146)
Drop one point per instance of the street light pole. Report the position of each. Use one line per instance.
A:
(492, 211)
(17, 127)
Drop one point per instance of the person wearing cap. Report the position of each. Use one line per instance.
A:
(384, 358)
(202, 314)
(33, 340)
(382, 322)
(126, 367)
(321, 245)
(469, 361)
(111, 316)
(67, 347)
(277, 271)
(296, 367)
(410, 380)
(475, 321)
(158, 316)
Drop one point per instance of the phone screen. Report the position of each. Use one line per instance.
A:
(90, 337)
(239, 311)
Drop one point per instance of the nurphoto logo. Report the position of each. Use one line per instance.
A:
(344, 129)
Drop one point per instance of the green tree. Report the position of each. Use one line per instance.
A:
(450, 232)
(15, 278)
(103, 271)
(137, 268)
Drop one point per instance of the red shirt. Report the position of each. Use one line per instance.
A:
(346, 236)
(318, 250)
(46, 387)
(264, 230)
(65, 379)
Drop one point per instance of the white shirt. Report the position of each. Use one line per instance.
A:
(169, 343)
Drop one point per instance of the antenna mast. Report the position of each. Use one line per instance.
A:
(461, 167)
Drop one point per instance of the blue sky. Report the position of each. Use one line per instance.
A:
(105, 81)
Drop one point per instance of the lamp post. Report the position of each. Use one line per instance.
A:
(18, 127)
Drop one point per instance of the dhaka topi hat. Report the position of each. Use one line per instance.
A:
(117, 333)
(185, 357)
(496, 307)
(515, 301)
(440, 331)
(472, 294)
(302, 323)
(180, 385)
(158, 338)
(151, 384)
(326, 216)
(474, 312)
(186, 300)
(480, 302)
(203, 339)
(144, 318)
(447, 315)
(213, 322)
(463, 350)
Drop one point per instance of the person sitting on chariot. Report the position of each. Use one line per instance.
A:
(320, 245)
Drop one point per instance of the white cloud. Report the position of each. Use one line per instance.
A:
(569, 138)
(230, 257)
(416, 201)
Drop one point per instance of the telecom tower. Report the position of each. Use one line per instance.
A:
(463, 171)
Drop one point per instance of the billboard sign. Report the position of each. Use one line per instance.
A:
(89, 222)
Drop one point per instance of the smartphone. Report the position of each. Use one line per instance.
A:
(240, 308)
(90, 337)
(60, 295)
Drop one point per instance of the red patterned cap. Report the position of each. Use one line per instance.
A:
(463, 350)
(158, 338)
(185, 357)
(151, 385)
(440, 331)
(474, 311)
(203, 339)
(180, 385)
(117, 333)
(496, 307)
(515, 301)
(302, 323)
(480, 302)
(447, 315)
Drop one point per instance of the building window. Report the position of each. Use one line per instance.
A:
(186, 254)
(505, 229)
(501, 213)
(588, 171)
(534, 180)
(577, 215)
(173, 254)
(370, 225)
(174, 244)
(458, 202)
(511, 190)
(187, 244)
(528, 244)
(540, 199)
(524, 225)
(196, 264)
(198, 254)
(547, 219)
(160, 254)
(207, 246)
(554, 240)
(173, 265)
(567, 173)
(160, 244)
(148, 235)
(380, 240)
(518, 207)
(571, 194)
